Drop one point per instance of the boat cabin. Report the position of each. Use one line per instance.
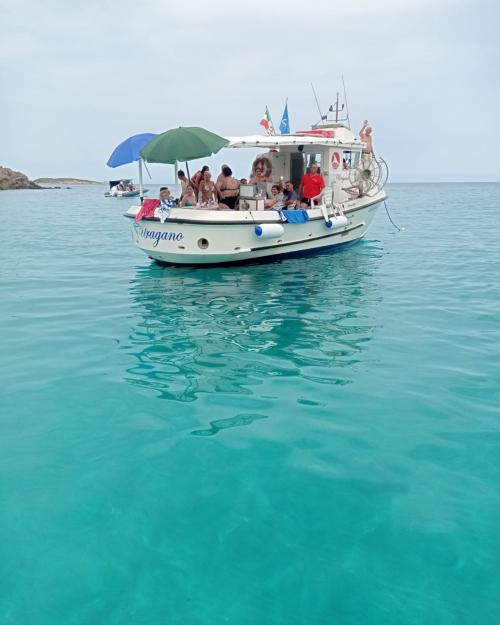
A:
(126, 182)
(332, 146)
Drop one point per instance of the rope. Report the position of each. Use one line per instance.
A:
(391, 220)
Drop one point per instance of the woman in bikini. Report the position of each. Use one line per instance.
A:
(198, 177)
(206, 189)
(189, 197)
(228, 188)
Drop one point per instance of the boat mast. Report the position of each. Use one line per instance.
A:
(337, 110)
(345, 100)
(322, 117)
(141, 187)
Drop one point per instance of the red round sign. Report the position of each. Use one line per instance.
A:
(335, 160)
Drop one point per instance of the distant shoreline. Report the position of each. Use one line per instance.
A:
(65, 181)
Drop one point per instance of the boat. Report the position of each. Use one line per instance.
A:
(129, 189)
(207, 235)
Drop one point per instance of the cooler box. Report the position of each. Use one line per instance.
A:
(248, 190)
(251, 204)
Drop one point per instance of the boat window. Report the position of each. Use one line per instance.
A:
(350, 159)
(313, 158)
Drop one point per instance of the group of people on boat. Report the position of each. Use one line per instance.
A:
(224, 193)
(201, 189)
(124, 185)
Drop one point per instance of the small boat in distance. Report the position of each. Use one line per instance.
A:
(123, 188)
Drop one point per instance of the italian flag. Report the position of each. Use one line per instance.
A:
(267, 123)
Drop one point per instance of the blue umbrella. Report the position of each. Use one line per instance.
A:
(129, 151)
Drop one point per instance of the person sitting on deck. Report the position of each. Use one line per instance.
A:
(166, 199)
(166, 204)
(228, 188)
(206, 189)
(277, 201)
(311, 187)
(189, 197)
(290, 195)
(184, 180)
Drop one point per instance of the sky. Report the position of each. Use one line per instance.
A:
(76, 78)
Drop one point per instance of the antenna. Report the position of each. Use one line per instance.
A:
(345, 100)
(336, 110)
(322, 117)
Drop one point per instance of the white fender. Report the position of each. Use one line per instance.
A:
(269, 231)
(337, 222)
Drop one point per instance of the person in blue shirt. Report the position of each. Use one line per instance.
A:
(290, 196)
(166, 200)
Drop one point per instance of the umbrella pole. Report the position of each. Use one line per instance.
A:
(176, 171)
(187, 172)
(141, 194)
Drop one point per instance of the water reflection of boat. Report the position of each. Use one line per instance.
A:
(228, 331)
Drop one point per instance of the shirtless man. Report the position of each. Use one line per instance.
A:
(365, 134)
(184, 180)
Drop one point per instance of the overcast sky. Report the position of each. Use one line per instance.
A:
(78, 77)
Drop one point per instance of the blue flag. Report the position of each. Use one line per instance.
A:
(285, 122)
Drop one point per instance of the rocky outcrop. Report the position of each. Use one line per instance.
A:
(10, 179)
(65, 181)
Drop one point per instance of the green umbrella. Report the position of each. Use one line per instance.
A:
(182, 144)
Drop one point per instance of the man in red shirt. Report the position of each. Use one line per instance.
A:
(311, 187)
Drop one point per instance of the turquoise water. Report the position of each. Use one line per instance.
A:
(309, 441)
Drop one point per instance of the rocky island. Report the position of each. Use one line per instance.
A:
(10, 179)
(58, 181)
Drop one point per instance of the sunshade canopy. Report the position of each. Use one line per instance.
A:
(182, 144)
(129, 150)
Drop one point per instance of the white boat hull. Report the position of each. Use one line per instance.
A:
(125, 194)
(212, 237)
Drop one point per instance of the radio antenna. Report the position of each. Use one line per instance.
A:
(322, 117)
(345, 100)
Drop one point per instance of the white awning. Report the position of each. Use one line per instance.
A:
(265, 141)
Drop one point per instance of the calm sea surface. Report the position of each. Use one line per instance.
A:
(313, 441)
